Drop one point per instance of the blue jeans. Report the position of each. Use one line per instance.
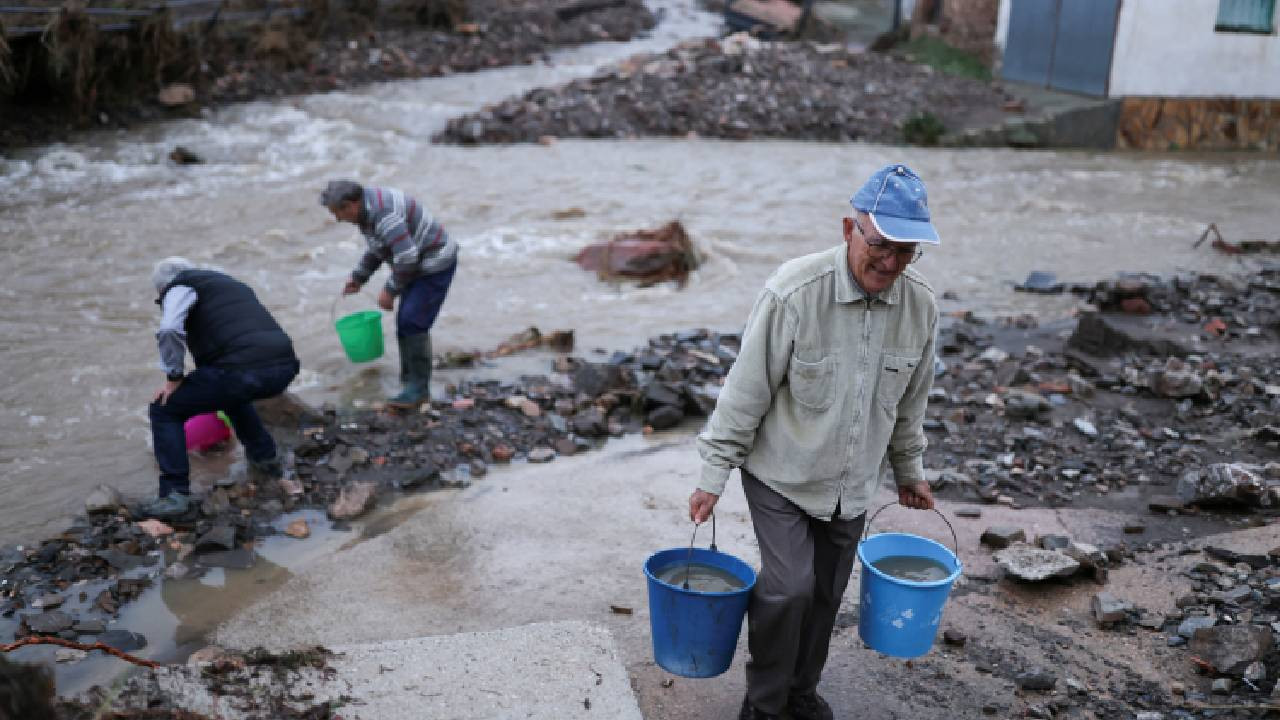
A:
(420, 302)
(208, 389)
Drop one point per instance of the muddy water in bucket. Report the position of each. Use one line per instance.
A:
(912, 567)
(701, 578)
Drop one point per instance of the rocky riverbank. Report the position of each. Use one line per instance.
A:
(741, 88)
(1162, 401)
(322, 51)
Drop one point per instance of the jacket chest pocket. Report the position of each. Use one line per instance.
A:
(811, 382)
(895, 373)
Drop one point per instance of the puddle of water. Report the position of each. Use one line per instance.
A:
(176, 616)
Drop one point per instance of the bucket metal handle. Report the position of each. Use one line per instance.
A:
(334, 305)
(955, 540)
(688, 563)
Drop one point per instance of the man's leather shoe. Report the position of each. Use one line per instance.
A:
(809, 706)
(749, 712)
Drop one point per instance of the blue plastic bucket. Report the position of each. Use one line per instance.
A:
(900, 617)
(695, 633)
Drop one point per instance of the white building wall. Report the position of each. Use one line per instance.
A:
(1168, 48)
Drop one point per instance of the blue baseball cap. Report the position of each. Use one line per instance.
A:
(896, 200)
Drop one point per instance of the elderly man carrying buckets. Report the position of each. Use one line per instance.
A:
(399, 231)
(830, 386)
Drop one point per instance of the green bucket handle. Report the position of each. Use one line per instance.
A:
(955, 540)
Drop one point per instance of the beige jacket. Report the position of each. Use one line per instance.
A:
(829, 388)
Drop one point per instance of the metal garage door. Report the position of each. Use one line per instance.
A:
(1061, 44)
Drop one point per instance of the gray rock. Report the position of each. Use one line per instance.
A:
(1085, 427)
(221, 537)
(1036, 680)
(1231, 648)
(69, 655)
(48, 623)
(90, 627)
(123, 640)
(47, 602)
(353, 501)
(590, 423)
(1190, 625)
(287, 411)
(1233, 596)
(1148, 715)
(664, 417)
(1108, 608)
(1002, 536)
(102, 499)
(1033, 564)
(1222, 686)
(952, 636)
(541, 455)
(1232, 483)
(1054, 542)
(236, 559)
(1023, 405)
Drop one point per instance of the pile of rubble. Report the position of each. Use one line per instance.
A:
(1150, 389)
(70, 586)
(737, 88)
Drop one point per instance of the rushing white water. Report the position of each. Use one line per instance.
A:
(83, 222)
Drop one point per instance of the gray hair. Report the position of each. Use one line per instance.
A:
(167, 270)
(340, 191)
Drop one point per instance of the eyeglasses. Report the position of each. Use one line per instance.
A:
(882, 248)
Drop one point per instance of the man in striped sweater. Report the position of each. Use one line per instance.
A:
(399, 231)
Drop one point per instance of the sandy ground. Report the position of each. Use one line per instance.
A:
(566, 541)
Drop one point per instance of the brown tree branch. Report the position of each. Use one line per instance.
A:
(44, 640)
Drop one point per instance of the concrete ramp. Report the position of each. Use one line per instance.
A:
(552, 671)
(546, 670)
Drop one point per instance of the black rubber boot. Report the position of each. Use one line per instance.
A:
(415, 365)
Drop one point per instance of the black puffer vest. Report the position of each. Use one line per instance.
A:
(227, 327)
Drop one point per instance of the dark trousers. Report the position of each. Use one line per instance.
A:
(805, 567)
(420, 302)
(208, 389)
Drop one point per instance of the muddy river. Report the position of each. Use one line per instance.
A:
(82, 223)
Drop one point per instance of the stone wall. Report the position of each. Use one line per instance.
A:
(1199, 124)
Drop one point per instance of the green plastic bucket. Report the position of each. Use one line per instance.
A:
(361, 335)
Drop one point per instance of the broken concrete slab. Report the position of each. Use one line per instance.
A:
(1033, 564)
(550, 671)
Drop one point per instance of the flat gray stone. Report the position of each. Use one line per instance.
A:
(90, 627)
(123, 640)
(235, 559)
(48, 623)
(222, 537)
(1034, 564)
(1189, 626)
(1108, 608)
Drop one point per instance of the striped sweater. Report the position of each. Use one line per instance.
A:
(400, 232)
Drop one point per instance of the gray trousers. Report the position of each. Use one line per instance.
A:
(805, 567)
